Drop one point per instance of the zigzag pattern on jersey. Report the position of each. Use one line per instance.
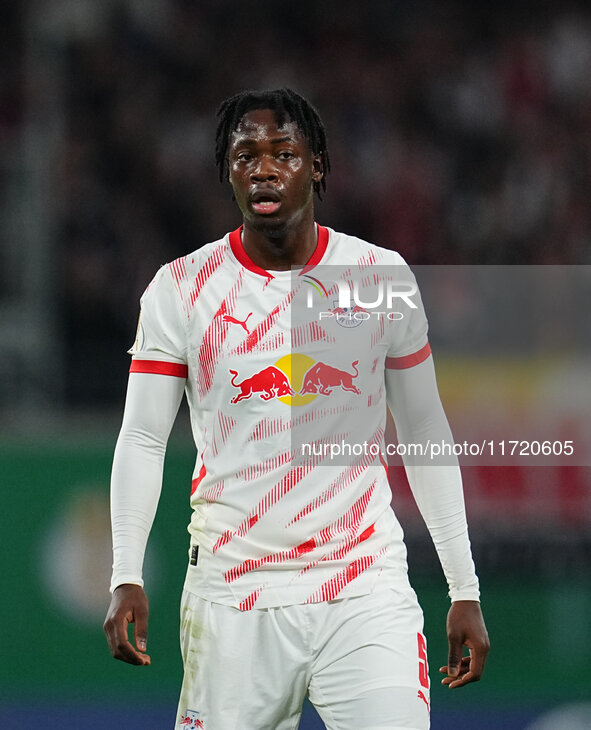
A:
(350, 473)
(214, 338)
(250, 600)
(189, 293)
(376, 398)
(378, 333)
(268, 427)
(369, 259)
(213, 493)
(279, 490)
(308, 333)
(216, 333)
(262, 468)
(331, 589)
(348, 522)
(351, 274)
(225, 426)
(255, 338)
(339, 552)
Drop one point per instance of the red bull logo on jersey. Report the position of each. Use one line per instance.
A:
(349, 316)
(191, 721)
(322, 378)
(268, 383)
(295, 379)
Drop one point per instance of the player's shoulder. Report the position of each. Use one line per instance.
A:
(210, 255)
(186, 273)
(347, 248)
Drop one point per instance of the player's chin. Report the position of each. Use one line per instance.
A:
(270, 225)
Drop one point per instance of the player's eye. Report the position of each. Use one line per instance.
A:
(286, 155)
(244, 156)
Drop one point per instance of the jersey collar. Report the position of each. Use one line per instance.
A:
(248, 263)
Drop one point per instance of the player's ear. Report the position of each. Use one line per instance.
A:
(317, 168)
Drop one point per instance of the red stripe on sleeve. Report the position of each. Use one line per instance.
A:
(157, 367)
(400, 363)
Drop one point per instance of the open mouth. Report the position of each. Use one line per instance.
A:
(265, 202)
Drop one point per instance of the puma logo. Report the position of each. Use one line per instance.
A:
(421, 696)
(233, 320)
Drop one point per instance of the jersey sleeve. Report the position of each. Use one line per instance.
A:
(436, 483)
(161, 344)
(409, 345)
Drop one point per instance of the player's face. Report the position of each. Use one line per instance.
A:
(272, 172)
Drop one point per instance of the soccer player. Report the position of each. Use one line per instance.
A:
(297, 577)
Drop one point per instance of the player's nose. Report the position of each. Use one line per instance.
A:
(265, 170)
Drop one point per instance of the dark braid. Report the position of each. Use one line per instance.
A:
(288, 106)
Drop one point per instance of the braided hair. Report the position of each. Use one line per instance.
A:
(288, 106)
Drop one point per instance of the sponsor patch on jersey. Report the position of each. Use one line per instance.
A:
(296, 380)
(191, 721)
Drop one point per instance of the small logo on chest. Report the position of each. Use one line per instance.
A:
(232, 320)
(191, 721)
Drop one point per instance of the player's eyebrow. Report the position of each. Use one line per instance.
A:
(250, 141)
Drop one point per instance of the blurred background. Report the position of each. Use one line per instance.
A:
(459, 133)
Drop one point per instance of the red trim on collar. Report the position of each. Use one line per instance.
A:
(248, 263)
(319, 251)
(243, 257)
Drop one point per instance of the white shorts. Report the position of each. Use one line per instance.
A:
(362, 661)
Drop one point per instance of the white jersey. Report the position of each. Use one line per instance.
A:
(277, 519)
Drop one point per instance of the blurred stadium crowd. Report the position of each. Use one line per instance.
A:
(459, 132)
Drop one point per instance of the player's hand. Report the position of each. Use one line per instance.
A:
(465, 627)
(129, 605)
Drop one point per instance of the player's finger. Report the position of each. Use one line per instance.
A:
(125, 652)
(454, 657)
(119, 645)
(141, 628)
(112, 632)
(461, 681)
(464, 666)
(477, 661)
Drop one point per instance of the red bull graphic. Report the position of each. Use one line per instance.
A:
(295, 379)
(191, 721)
(268, 383)
(322, 378)
(349, 316)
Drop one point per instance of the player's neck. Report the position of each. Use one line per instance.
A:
(280, 249)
